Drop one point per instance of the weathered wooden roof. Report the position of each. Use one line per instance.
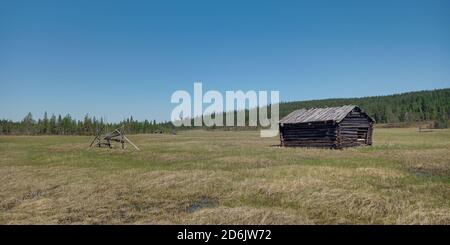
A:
(319, 114)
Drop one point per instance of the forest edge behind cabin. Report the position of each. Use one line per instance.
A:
(332, 127)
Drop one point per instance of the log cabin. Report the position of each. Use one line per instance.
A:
(332, 127)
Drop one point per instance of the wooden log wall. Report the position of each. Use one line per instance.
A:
(321, 134)
(354, 130)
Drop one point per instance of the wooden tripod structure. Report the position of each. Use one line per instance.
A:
(105, 139)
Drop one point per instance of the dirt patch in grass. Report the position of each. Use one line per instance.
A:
(203, 202)
(428, 170)
(246, 215)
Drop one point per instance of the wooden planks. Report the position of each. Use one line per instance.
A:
(309, 135)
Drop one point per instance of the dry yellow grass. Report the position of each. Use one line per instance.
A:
(205, 177)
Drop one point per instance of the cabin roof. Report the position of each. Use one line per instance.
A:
(319, 114)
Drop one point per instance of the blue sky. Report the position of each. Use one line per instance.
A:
(119, 58)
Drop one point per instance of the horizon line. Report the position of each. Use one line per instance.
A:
(281, 102)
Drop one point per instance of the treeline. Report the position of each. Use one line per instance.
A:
(398, 108)
(431, 105)
(407, 107)
(59, 125)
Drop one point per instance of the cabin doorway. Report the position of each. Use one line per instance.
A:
(362, 134)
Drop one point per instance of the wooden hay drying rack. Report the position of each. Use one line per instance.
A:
(117, 135)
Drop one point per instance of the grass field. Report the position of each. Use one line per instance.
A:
(205, 177)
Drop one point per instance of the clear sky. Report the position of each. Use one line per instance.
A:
(120, 58)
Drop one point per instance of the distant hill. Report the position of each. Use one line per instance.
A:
(398, 108)
(433, 105)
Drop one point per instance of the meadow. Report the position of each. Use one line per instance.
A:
(221, 177)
